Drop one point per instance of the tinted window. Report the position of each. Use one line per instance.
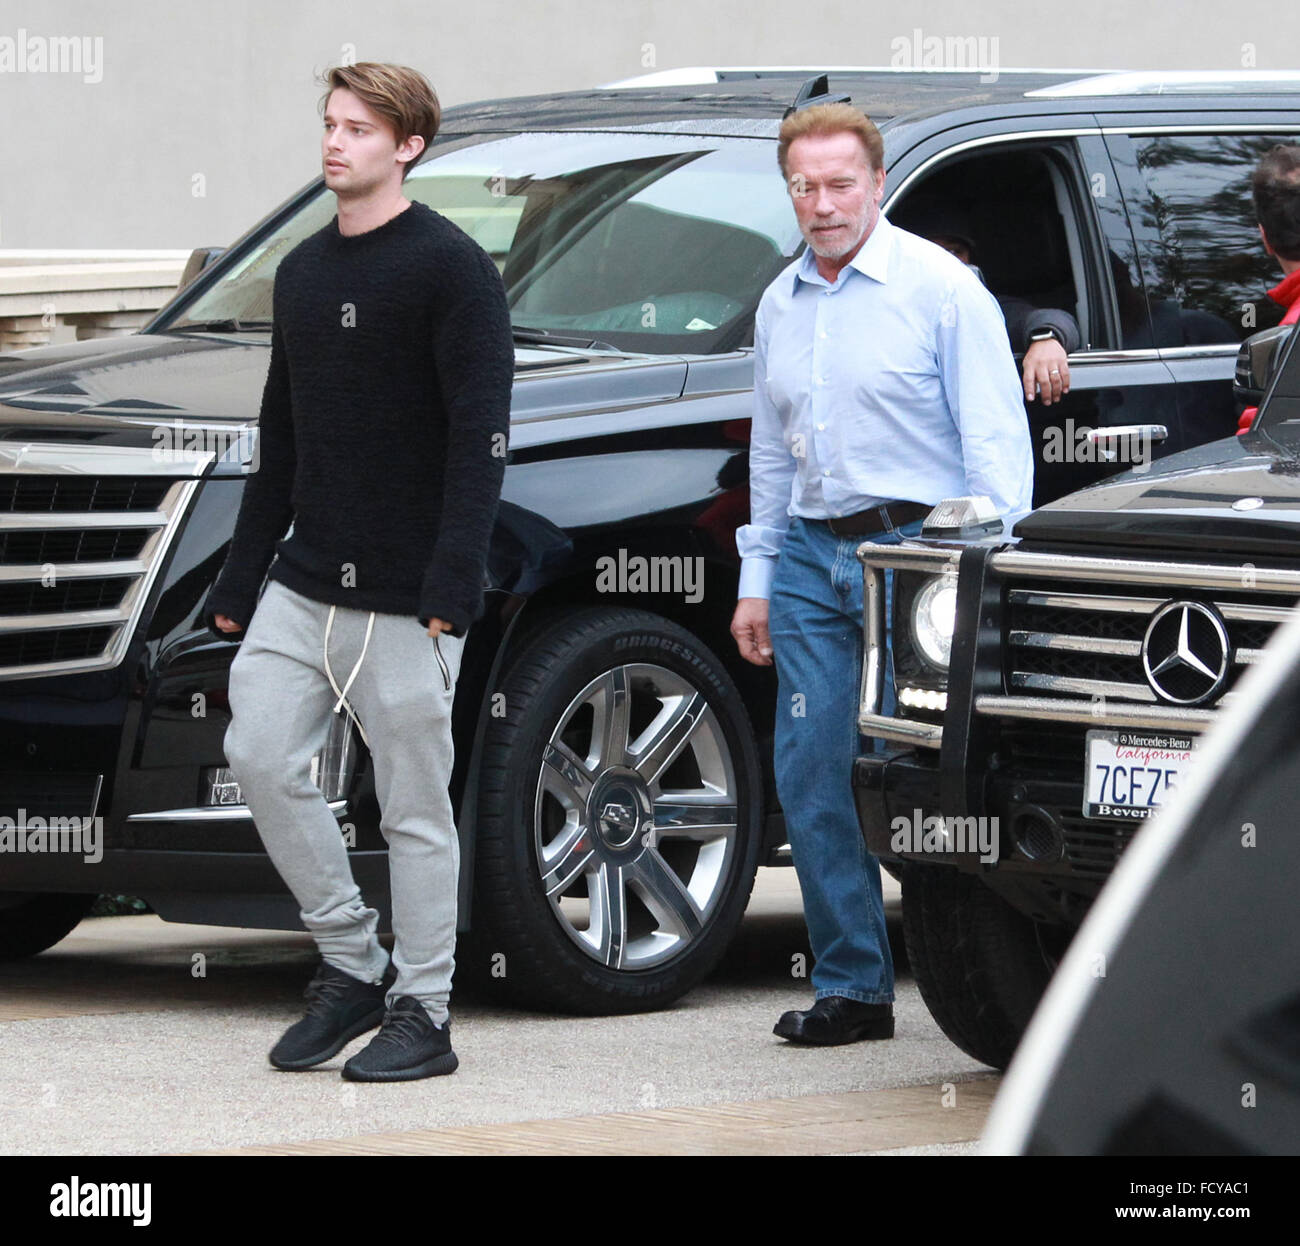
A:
(1010, 214)
(648, 242)
(1207, 273)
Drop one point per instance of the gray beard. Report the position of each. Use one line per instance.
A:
(821, 249)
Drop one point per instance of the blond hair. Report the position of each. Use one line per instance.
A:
(831, 119)
(402, 96)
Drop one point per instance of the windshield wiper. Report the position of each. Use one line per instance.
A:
(230, 325)
(544, 337)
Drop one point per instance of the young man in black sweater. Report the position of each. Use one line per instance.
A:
(383, 433)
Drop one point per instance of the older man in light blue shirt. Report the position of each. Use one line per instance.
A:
(883, 382)
(892, 381)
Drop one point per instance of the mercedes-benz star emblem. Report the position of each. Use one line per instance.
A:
(1185, 652)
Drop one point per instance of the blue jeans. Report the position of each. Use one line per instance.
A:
(815, 618)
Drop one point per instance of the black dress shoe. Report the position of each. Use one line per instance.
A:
(835, 1020)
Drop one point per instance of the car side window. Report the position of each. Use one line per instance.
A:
(1204, 267)
(1012, 214)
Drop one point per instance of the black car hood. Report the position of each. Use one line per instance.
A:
(1239, 495)
(119, 390)
(185, 376)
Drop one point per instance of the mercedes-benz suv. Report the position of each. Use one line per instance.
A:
(1054, 691)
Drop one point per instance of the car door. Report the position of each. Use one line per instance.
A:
(1112, 382)
(1185, 180)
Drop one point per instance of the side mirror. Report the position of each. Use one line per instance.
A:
(1257, 362)
(199, 259)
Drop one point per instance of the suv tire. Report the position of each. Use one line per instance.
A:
(30, 924)
(979, 963)
(562, 848)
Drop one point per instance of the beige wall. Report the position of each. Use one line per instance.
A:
(196, 97)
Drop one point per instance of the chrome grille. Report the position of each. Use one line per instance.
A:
(80, 493)
(68, 544)
(1091, 643)
(1075, 624)
(83, 533)
(57, 598)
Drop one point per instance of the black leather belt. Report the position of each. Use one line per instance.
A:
(882, 518)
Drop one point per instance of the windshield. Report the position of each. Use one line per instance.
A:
(660, 243)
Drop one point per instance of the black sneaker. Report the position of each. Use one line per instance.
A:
(407, 1046)
(339, 1009)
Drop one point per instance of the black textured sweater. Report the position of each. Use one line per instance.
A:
(383, 426)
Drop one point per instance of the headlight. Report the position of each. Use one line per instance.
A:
(934, 614)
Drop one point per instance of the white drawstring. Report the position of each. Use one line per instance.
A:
(343, 701)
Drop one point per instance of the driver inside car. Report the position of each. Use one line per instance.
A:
(1045, 335)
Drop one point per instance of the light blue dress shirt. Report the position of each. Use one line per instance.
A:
(895, 382)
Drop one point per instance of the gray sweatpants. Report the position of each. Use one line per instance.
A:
(397, 682)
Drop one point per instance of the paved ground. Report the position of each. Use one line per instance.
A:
(111, 1044)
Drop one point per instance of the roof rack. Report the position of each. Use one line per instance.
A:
(707, 75)
(1173, 82)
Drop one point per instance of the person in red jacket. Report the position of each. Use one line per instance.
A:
(1275, 186)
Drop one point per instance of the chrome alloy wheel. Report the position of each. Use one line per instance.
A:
(634, 819)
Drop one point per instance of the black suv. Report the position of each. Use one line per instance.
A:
(1054, 691)
(612, 785)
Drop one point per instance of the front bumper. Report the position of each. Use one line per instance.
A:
(892, 785)
(1001, 777)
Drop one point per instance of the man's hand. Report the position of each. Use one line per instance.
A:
(438, 625)
(227, 624)
(1047, 371)
(749, 627)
